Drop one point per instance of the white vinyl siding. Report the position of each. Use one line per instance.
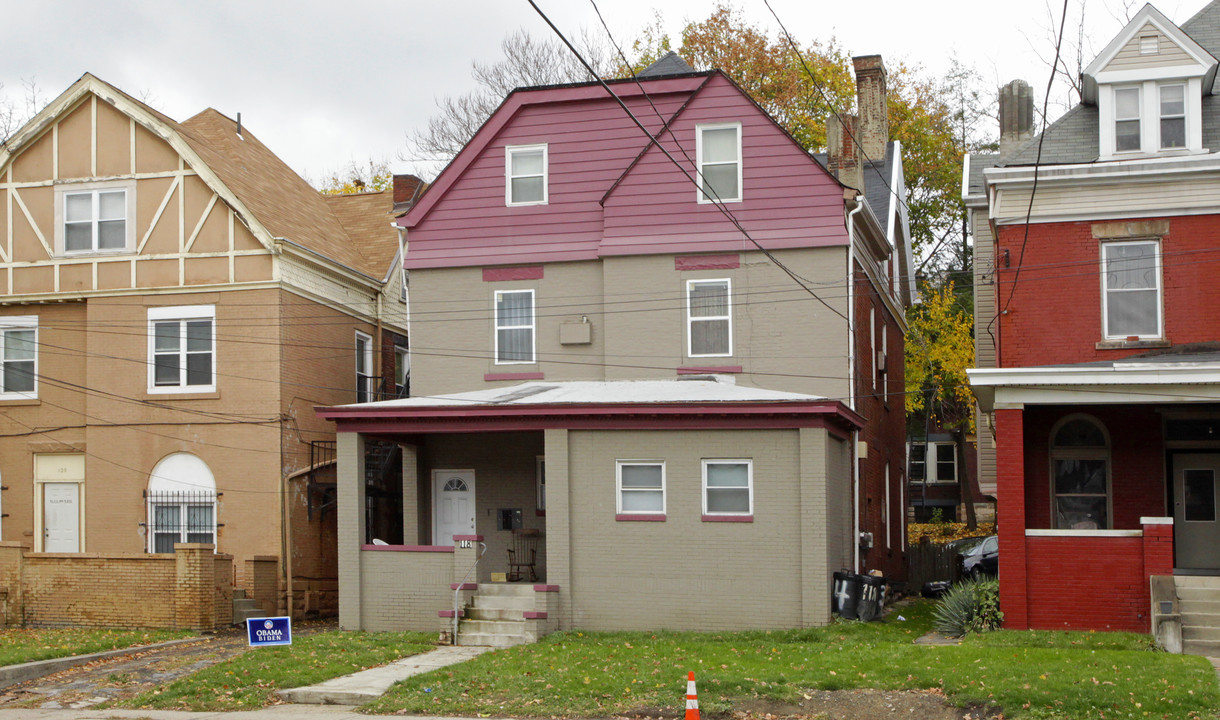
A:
(514, 332)
(709, 318)
(1131, 289)
(182, 349)
(525, 175)
(718, 148)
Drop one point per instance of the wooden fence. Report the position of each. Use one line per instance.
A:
(928, 561)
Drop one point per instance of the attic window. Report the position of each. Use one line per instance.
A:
(1127, 119)
(1173, 116)
(1148, 45)
(95, 217)
(525, 175)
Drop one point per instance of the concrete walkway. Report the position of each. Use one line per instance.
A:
(368, 685)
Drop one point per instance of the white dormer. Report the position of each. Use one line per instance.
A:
(1148, 85)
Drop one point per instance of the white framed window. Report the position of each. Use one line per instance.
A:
(18, 357)
(709, 319)
(182, 349)
(365, 389)
(640, 486)
(525, 174)
(728, 487)
(1131, 289)
(181, 501)
(718, 149)
(1127, 119)
(872, 342)
(402, 370)
(1173, 116)
(942, 469)
(95, 218)
(1080, 474)
(514, 335)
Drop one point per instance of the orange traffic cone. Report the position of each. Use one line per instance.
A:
(692, 698)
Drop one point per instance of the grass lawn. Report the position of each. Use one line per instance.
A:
(248, 680)
(21, 645)
(1027, 674)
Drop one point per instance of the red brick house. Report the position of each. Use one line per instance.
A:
(602, 359)
(1099, 367)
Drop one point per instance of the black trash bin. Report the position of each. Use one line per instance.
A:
(872, 593)
(845, 595)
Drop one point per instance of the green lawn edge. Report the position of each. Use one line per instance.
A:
(23, 645)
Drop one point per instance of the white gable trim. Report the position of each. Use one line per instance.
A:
(68, 100)
(1149, 15)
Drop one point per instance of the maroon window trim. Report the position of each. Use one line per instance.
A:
(729, 518)
(639, 517)
(500, 274)
(707, 262)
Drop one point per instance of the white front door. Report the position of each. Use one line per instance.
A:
(1196, 529)
(452, 505)
(61, 517)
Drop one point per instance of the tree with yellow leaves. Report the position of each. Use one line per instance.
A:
(939, 349)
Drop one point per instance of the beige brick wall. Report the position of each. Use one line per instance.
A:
(191, 589)
(404, 590)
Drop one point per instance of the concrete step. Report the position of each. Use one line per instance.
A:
(239, 593)
(507, 589)
(480, 640)
(1201, 620)
(1209, 648)
(475, 613)
(509, 602)
(1207, 634)
(492, 627)
(1197, 581)
(1199, 607)
(244, 604)
(1197, 593)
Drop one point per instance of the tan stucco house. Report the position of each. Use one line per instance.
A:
(174, 301)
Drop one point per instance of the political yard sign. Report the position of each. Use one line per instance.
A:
(269, 631)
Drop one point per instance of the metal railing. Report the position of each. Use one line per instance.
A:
(180, 516)
(459, 589)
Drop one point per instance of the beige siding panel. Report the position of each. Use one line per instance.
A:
(164, 237)
(243, 239)
(252, 268)
(4, 238)
(4, 283)
(157, 273)
(328, 288)
(113, 141)
(40, 204)
(206, 271)
(76, 143)
(1126, 200)
(75, 277)
(149, 194)
(153, 154)
(1169, 54)
(986, 453)
(214, 235)
(196, 194)
(114, 275)
(31, 280)
(35, 162)
(984, 289)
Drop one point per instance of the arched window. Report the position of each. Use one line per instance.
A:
(1080, 474)
(181, 503)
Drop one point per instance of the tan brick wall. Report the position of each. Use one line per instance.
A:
(392, 602)
(189, 590)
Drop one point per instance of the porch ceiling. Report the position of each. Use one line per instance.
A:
(1135, 380)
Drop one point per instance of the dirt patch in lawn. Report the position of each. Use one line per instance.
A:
(130, 674)
(850, 705)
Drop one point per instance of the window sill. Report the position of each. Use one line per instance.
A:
(729, 518)
(17, 401)
(1126, 344)
(710, 370)
(493, 377)
(182, 395)
(639, 517)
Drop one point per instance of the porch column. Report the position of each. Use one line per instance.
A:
(410, 496)
(350, 513)
(1010, 516)
(558, 522)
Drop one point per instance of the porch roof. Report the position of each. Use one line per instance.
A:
(694, 403)
(1189, 374)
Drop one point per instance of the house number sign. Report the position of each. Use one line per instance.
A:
(465, 543)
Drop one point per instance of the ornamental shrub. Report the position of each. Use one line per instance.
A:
(972, 605)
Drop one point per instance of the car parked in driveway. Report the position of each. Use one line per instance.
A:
(982, 559)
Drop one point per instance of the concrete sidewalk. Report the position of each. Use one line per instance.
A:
(368, 685)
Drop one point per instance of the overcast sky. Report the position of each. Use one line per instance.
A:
(327, 83)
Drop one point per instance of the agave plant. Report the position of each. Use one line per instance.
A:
(972, 605)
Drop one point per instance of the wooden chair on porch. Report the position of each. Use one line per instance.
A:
(523, 555)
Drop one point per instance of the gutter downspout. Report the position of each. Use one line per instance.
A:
(851, 386)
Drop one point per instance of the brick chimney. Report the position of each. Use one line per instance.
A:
(1016, 115)
(842, 157)
(871, 106)
(405, 187)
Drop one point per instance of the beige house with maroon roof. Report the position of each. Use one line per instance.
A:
(174, 301)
